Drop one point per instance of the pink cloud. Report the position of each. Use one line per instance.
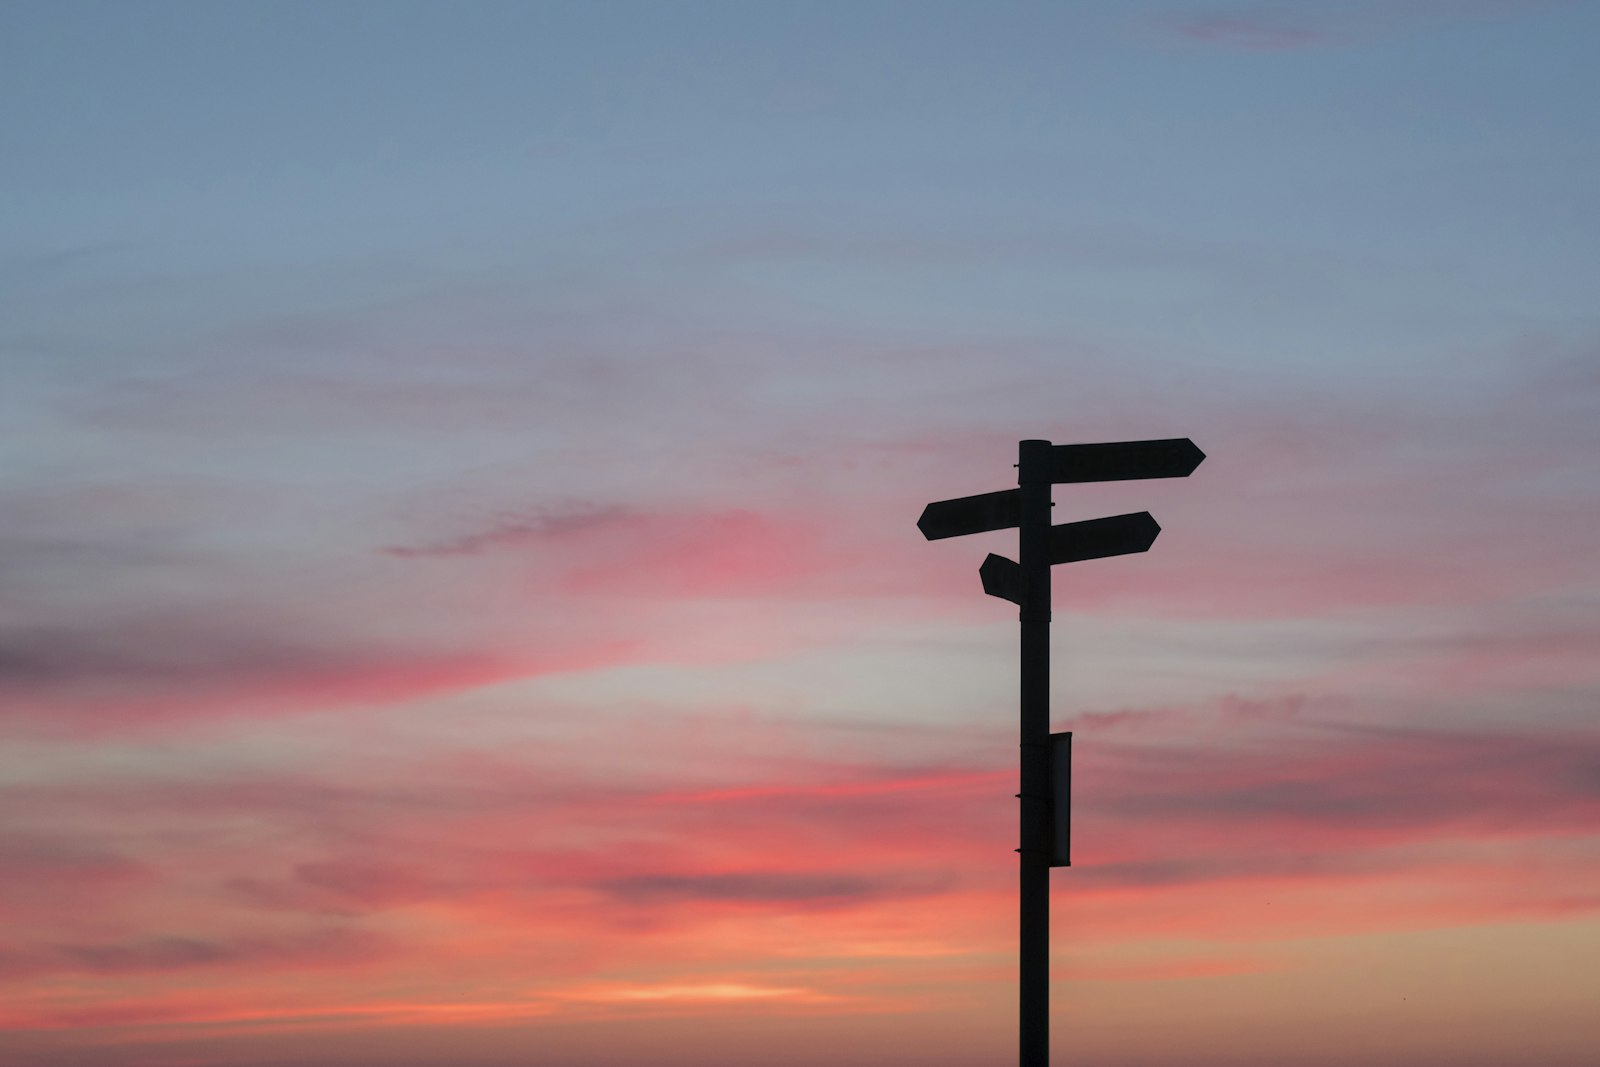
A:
(143, 677)
(733, 553)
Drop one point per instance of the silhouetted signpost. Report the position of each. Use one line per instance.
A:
(1046, 757)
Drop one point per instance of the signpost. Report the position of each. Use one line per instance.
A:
(1046, 764)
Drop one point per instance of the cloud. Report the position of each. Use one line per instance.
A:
(1249, 34)
(555, 888)
(1362, 784)
(191, 636)
(793, 889)
(734, 553)
(97, 678)
(30, 957)
(681, 554)
(705, 992)
(1158, 970)
(194, 1014)
(1304, 802)
(330, 946)
(44, 877)
(1278, 27)
(518, 531)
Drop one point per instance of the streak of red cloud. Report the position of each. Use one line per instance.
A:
(734, 553)
(897, 784)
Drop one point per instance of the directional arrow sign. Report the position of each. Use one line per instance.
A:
(1002, 578)
(1114, 536)
(971, 514)
(1173, 457)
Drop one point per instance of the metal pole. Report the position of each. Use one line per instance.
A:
(1033, 551)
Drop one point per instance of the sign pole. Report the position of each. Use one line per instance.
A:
(1033, 551)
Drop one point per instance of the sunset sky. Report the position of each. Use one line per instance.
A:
(460, 596)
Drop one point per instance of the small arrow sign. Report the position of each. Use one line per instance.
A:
(1002, 578)
(1117, 535)
(971, 514)
(1116, 461)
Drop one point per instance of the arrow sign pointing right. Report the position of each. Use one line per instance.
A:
(971, 514)
(1097, 538)
(1116, 461)
(1070, 542)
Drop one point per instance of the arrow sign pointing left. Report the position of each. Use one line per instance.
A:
(1097, 538)
(971, 514)
(1003, 578)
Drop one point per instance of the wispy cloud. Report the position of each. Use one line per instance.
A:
(511, 531)
(1279, 27)
(1253, 34)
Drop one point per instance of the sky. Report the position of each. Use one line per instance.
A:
(460, 596)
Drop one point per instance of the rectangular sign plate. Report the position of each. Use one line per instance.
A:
(1061, 799)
